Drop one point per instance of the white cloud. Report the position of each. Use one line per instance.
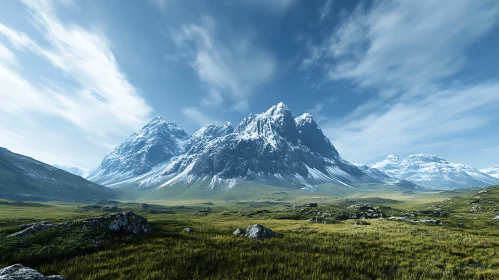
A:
(408, 51)
(161, 4)
(408, 126)
(195, 115)
(274, 5)
(231, 71)
(325, 9)
(102, 103)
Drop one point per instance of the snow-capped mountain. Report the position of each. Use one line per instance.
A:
(156, 143)
(434, 172)
(24, 178)
(492, 171)
(272, 148)
(72, 169)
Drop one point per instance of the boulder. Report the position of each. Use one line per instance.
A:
(125, 222)
(20, 272)
(32, 228)
(361, 223)
(258, 231)
(239, 231)
(188, 230)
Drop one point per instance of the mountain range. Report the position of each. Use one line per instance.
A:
(434, 172)
(24, 178)
(271, 148)
(72, 169)
(492, 171)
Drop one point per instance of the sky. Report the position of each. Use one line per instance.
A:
(380, 77)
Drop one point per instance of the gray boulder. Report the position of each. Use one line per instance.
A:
(126, 222)
(239, 231)
(32, 228)
(188, 230)
(361, 223)
(258, 231)
(20, 272)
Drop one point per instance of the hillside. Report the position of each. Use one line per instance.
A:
(24, 178)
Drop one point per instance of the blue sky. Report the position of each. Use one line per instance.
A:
(380, 77)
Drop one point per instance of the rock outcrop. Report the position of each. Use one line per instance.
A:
(32, 228)
(21, 272)
(258, 231)
(125, 222)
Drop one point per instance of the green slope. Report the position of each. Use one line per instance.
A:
(23, 178)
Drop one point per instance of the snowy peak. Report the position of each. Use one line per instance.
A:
(433, 171)
(277, 122)
(312, 137)
(210, 132)
(492, 171)
(156, 143)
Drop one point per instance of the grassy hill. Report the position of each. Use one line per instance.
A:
(461, 245)
(24, 178)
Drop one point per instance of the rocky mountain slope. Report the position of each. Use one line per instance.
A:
(272, 148)
(24, 178)
(492, 171)
(434, 172)
(156, 143)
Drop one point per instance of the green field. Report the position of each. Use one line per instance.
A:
(465, 246)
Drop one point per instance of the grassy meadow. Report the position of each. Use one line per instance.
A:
(464, 246)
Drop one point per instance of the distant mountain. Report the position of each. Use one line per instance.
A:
(156, 143)
(24, 178)
(492, 171)
(72, 169)
(434, 172)
(272, 148)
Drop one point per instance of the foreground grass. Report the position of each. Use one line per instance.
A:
(464, 248)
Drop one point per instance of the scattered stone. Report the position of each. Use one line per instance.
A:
(32, 228)
(188, 230)
(403, 219)
(312, 205)
(144, 206)
(364, 212)
(483, 191)
(258, 231)
(431, 221)
(361, 223)
(477, 199)
(239, 231)
(126, 222)
(496, 218)
(21, 272)
(476, 208)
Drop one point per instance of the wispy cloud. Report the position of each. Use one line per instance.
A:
(161, 4)
(193, 114)
(274, 5)
(231, 71)
(101, 102)
(325, 10)
(408, 51)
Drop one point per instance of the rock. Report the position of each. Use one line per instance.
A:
(258, 231)
(483, 191)
(431, 221)
(476, 208)
(496, 218)
(20, 272)
(188, 230)
(239, 231)
(312, 205)
(403, 219)
(126, 222)
(32, 228)
(361, 223)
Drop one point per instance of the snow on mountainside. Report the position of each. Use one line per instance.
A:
(435, 172)
(273, 148)
(492, 171)
(156, 143)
